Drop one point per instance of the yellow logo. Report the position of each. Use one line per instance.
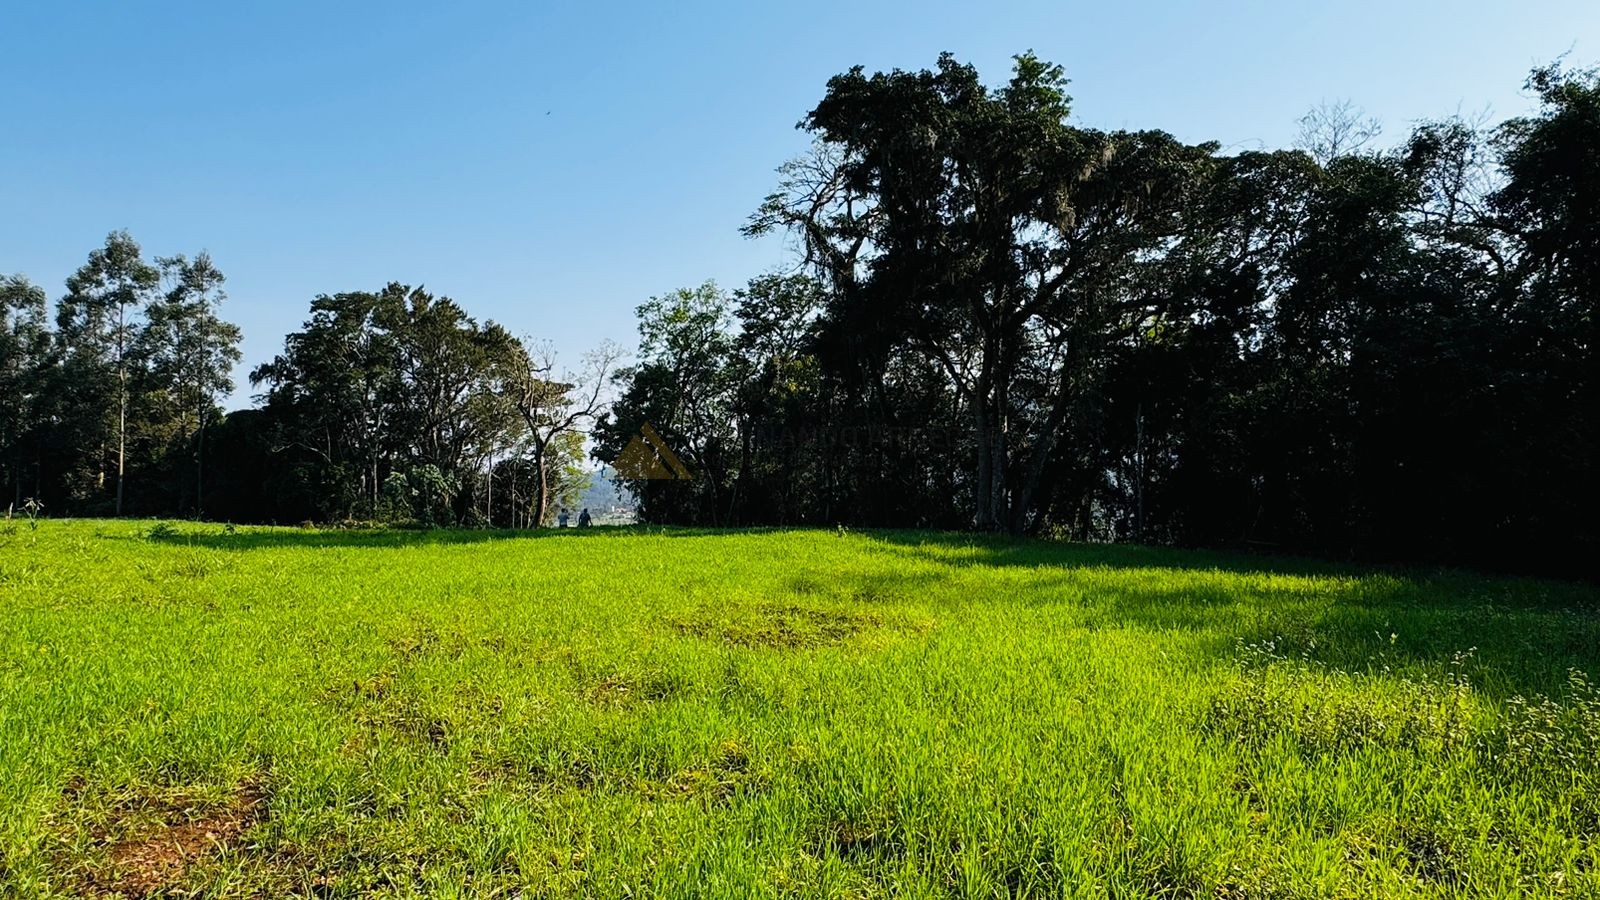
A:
(647, 458)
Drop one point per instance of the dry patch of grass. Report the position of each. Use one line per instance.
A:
(784, 627)
(148, 844)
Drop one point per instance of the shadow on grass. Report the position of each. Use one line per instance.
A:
(951, 548)
(1522, 634)
(974, 549)
(1509, 635)
(1509, 638)
(395, 538)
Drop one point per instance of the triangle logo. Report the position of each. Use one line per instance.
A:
(647, 458)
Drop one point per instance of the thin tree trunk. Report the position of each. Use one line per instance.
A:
(1001, 465)
(511, 504)
(1138, 484)
(1043, 443)
(122, 443)
(984, 493)
(742, 472)
(200, 468)
(542, 487)
(122, 401)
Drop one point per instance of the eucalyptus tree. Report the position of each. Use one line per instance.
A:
(98, 324)
(190, 353)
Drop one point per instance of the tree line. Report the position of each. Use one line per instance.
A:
(387, 406)
(995, 319)
(1004, 321)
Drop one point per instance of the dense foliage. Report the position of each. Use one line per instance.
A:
(1004, 321)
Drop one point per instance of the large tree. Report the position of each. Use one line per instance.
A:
(98, 324)
(681, 389)
(190, 353)
(1550, 203)
(393, 383)
(978, 227)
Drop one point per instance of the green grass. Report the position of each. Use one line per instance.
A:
(644, 713)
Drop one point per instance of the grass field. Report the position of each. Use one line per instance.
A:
(192, 710)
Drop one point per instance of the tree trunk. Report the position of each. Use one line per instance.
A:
(200, 468)
(541, 486)
(122, 401)
(1138, 483)
(984, 494)
(122, 441)
(1043, 443)
(742, 473)
(986, 414)
(1001, 467)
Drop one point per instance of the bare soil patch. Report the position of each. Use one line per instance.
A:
(157, 848)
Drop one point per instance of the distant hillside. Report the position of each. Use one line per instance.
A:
(605, 499)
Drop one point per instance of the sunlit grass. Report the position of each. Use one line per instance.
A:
(630, 712)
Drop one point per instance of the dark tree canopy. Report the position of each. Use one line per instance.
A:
(1016, 323)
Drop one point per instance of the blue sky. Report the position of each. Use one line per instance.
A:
(552, 165)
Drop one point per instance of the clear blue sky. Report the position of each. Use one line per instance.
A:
(552, 165)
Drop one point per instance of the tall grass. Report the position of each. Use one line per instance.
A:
(678, 713)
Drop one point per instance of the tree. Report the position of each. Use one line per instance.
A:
(980, 229)
(516, 482)
(447, 376)
(327, 404)
(1332, 129)
(682, 388)
(98, 323)
(394, 382)
(1550, 203)
(553, 411)
(190, 352)
(24, 361)
(997, 319)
